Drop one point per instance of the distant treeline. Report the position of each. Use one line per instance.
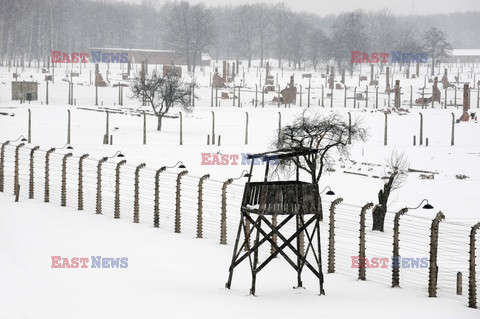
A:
(31, 29)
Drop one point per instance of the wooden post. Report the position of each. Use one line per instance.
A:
(256, 95)
(433, 268)
(349, 128)
(301, 93)
(136, 198)
(223, 221)
(16, 170)
(472, 283)
(323, 87)
(354, 97)
(46, 197)
(279, 126)
(31, 177)
(144, 128)
(80, 181)
(46, 93)
(116, 211)
(331, 236)
(385, 133)
(331, 98)
(107, 124)
(29, 126)
(68, 127)
(420, 142)
(411, 96)
(213, 128)
(459, 283)
(345, 97)
(156, 208)
(452, 141)
(178, 216)
(200, 206)
(396, 254)
(376, 97)
(98, 205)
(361, 246)
(63, 200)
(246, 128)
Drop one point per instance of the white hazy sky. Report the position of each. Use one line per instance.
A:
(323, 7)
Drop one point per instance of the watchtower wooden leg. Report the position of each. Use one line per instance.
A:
(235, 249)
(320, 279)
(299, 261)
(258, 226)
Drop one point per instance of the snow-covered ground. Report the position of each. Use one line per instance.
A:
(169, 276)
(186, 276)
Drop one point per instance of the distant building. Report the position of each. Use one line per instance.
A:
(155, 56)
(464, 56)
(22, 90)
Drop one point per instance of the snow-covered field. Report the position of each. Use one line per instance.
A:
(175, 275)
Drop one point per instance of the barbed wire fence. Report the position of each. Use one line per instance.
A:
(436, 256)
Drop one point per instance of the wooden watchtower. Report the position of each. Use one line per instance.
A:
(288, 201)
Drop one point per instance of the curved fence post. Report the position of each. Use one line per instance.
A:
(156, 207)
(331, 236)
(472, 283)
(200, 206)
(47, 175)
(63, 199)
(223, 221)
(136, 199)
(15, 177)
(80, 181)
(116, 211)
(433, 267)
(361, 250)
(396, 254)
(2, 164)
(31, 177)
(178, 217)
(98, 205)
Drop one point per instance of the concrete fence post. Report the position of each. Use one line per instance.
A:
(361, 246)
(31, 177)
(156, 207)
(47, 175)
(433, 267)
(200, 206)
(63, 199)
(80, 181)
(472, 283)
(178, 217)
(98, 205)
(411, 96)
(396, 254)
(136, 198)
(345, 97)
(331, 236)
(107, 124)
(354, 97)
(223, 220)
(116, 211)
(16, 170)
(2, 165)
(376, 97)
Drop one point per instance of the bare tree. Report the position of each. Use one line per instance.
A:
(395, 179)
(318, 44)
(324, 133)
(189, 31)
(436, 44)
(162, 93)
